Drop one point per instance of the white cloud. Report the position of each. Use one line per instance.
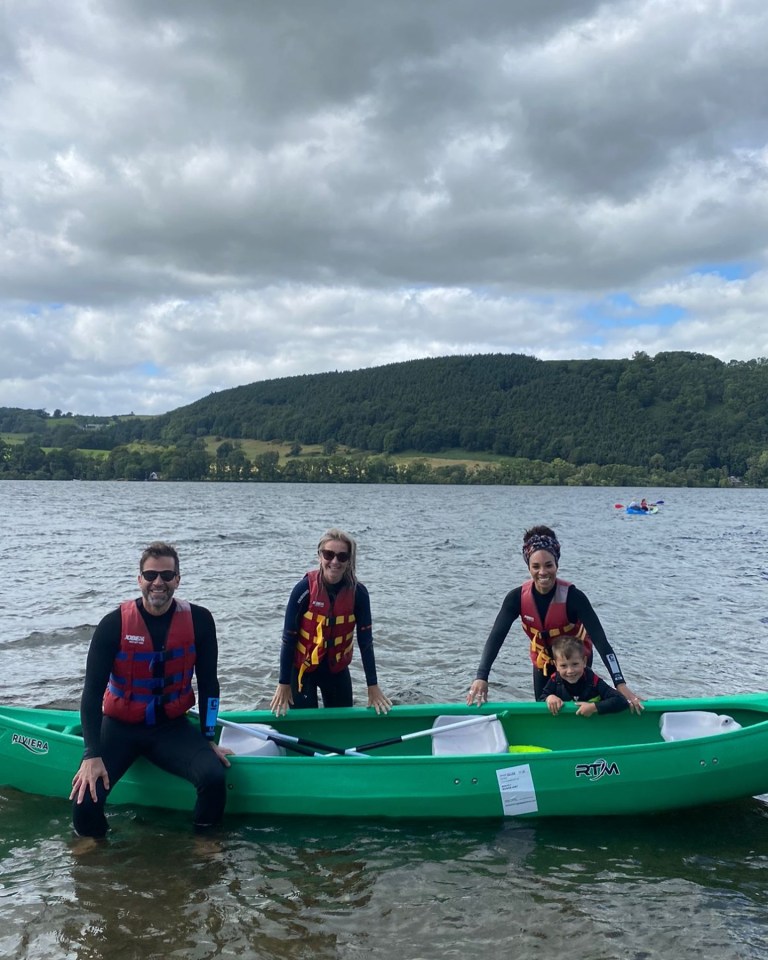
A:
(193, 197)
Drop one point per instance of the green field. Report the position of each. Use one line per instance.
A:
(255, 448)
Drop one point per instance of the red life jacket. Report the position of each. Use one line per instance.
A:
(555, 624)
(134, 692)
(327, 629)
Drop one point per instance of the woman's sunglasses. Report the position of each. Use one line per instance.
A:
(342, 556)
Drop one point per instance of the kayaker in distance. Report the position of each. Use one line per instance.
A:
(573, 680)
(548, 607)
(327, 607)
(140, 664)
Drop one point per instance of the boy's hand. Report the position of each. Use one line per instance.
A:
(586, 709)
(554, 703)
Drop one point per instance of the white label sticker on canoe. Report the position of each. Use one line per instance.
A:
(518, 795)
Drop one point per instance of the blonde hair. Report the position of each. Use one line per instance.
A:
(334, 533)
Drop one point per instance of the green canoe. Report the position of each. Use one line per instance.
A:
(550, 766)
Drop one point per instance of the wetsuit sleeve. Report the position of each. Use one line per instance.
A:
(611, 701)
(550, 687)
(298, 602)
(104, 647)
(579, 608)
(364, 624)
(510, 611)
(206, 669)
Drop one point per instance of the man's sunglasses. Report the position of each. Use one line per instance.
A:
(165, 575)
(342, 556)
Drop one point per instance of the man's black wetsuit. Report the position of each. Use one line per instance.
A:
(174, 745)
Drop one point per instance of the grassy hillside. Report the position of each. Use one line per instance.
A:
(676, 410)
(687, 417)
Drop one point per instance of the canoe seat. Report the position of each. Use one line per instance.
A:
(688, 724)
(247, 744)
(477, 738)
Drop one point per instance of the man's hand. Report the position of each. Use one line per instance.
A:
(86, 778)
(222, 753)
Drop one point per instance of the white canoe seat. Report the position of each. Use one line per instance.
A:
(476, 738)
(689, 724)
(247, 744)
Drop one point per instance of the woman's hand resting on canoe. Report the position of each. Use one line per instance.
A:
(635, 703)
(478, 693)
(378, 699)
(282, 698)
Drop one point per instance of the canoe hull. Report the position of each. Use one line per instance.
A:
(597, 766)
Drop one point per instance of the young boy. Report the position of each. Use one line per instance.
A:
(575, 681)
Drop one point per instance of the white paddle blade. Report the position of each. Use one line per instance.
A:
(477, 738)
(689, 724)
(249, 740)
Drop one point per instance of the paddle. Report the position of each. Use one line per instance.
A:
(431, 732)
(309, 748)
(300, 744)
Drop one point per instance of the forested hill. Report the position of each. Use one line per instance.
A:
(674, 418)
(672, 410)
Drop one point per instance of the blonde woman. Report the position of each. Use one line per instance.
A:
(326, 609)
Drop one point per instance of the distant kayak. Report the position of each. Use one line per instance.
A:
(637, 508)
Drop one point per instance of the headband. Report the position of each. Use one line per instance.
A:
(540, 541)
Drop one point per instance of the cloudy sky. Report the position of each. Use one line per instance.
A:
(196, 195)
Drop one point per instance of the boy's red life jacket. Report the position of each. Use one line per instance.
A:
(326, 630)
(134, 693)
(556, 624)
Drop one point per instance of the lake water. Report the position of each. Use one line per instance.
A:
(681, 595)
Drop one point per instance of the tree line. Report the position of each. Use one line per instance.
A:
(673, 418)
(190, 460)
(675, 409)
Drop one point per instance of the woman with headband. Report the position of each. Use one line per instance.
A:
(327, 607)
(548, 607)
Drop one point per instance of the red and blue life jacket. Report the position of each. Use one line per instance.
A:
(136, 688)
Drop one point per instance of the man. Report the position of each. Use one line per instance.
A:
(138, 688)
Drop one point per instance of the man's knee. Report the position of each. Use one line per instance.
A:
(207, 772)
(211, 794)
(88, 819)
(214, 777)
